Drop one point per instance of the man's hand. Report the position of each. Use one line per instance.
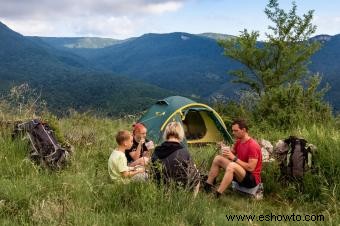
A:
(226, 152)
(142, 141)
(230, 155)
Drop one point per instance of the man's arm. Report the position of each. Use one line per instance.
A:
(232, 149)
(249, 166)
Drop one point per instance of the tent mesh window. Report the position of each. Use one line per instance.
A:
(194, 126)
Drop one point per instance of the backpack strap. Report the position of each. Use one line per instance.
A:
(303, 143)
(310, 149)
(291, 144)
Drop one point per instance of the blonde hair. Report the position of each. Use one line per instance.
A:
(174, 129)
(122, 136)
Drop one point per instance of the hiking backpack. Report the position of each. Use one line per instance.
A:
(45, 148)
(294, 156)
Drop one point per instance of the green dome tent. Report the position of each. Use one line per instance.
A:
(201, 123)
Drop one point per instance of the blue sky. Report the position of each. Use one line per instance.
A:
(127, 18)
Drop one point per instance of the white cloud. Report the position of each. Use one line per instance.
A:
(106, 18)
(117, 27)
(29, 27)
(58, 8)
(327, 24)
(337, 19)
(160, 8)
(114, 27)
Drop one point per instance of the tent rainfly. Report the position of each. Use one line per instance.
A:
(201, 123)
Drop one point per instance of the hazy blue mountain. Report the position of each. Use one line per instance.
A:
(191, 65)
(62, 54)
(327, 62)
(195, 65)
(216, 36)
(81, 42)
(186, 63)
(86, 47)
(64, 85)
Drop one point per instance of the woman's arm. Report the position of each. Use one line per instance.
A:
(136, 154)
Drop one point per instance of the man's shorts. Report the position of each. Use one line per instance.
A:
(248, 180)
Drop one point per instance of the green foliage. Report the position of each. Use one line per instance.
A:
(83, 194)
(274, 70)
(293, 105)
(319, 183)
(231, 110)
(23, 101)
(282, 58)
(270, 176)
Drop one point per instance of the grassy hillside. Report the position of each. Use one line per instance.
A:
(82, 194)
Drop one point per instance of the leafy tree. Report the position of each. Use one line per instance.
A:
(293, 105)
(282, 58)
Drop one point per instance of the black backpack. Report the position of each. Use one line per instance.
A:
(45, 148)
(295, 157)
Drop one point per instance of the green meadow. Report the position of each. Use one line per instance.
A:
(82, 193)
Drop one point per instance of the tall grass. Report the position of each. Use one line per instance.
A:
(82, 194)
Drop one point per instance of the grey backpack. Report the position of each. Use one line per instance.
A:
(295, 157)
(45, 148)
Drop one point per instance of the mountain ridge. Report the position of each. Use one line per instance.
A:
(187, 64)
(63, 85)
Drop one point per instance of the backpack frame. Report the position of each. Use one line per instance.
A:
(45, 150)
(295, 158)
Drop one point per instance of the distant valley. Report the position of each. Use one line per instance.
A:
(119, 76)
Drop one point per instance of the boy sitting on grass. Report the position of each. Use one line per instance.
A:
(117, 165)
